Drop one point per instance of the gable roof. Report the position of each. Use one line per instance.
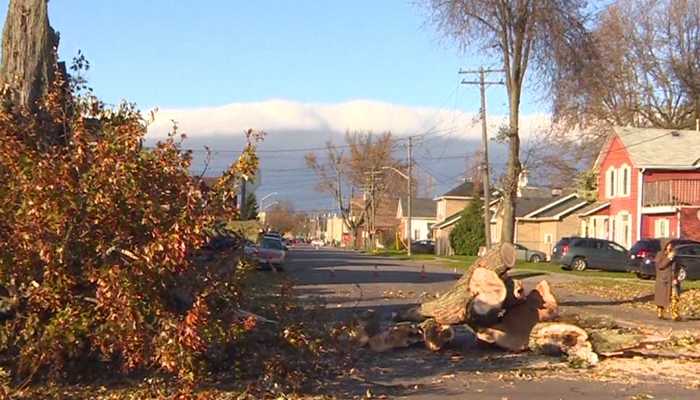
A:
(557, 208)
(448, 221)
(592, 208)
(465, 190)
(420, 208)
(681, 148)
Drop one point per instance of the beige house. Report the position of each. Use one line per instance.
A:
(542, 221)
(449, 207)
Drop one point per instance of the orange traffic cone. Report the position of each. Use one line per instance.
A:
(332, 272)
(376, 271)
(422, 272)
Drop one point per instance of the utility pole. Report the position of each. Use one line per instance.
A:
(485, 139)
(410, 186)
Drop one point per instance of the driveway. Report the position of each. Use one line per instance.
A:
(351, 282)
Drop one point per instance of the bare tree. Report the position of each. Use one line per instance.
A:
(429, 186)
(472, 166)
(282, 218)
(644, 72)
(357, 165)
(548, 35)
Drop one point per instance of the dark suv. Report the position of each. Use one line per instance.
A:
(643, 253)
(582, 253)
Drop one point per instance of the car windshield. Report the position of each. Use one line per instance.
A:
(271, 244)
(648, 245)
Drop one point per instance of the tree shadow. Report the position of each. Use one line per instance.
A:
(604, 302)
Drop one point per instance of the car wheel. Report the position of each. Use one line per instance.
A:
(579, 264)
(682, 274)
(535, 258)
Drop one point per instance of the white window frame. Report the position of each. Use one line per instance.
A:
(666, 224)
(611, 183)
(624, 188)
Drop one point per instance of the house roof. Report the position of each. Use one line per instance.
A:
(464, 190)
(448, 221)
(681, 148)
(558, 207)
(420, 208)
(526, 205)
(592, 208)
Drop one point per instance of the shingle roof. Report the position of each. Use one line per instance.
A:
(598, 205)
(526, 205)
(679, 148)
(420, 208)
(466, 189)
(569, 203)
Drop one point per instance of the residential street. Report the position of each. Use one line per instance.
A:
(352, 282)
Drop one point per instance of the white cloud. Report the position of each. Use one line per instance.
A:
(279, 115)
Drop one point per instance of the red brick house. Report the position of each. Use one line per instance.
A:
(648, 186)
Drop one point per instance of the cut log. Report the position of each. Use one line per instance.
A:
(401, 335)
(480, 292)
(561, 338)
(513, 332)
(515, 293)
(363, 328)
(435, 335)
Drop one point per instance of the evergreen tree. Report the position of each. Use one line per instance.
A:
(251, 207)
(469, 233)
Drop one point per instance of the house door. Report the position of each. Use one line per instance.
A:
(623, 233)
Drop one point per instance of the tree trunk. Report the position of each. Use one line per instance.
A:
(514, 168)
(478, 294)
(29, 47)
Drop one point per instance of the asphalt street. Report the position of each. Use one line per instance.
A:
(351, 282)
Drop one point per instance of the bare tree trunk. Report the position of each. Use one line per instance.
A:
(514, 167)
(29, 47)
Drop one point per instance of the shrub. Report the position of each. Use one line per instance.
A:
(469, 233)
(98, 239)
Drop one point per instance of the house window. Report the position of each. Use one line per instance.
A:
(661, 228)
(548, 238)
(610, 182)
(624, 177)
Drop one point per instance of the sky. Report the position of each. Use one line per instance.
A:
(309, 69)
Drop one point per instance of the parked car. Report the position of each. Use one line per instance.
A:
(582, 253)
(317, 242)
(687, 260)
(645, 250)
(423, 247)
(270, 252)
(525, 254)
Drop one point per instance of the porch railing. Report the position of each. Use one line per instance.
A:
(672, 192)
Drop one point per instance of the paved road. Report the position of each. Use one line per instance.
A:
(352, 282)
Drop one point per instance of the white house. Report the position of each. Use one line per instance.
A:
(422, 217)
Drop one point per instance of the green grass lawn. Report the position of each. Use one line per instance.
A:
(463, 262)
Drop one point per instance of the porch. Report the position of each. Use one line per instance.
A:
(671, 192)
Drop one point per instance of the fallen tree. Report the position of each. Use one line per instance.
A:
(493, 305)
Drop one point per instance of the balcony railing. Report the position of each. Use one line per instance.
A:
(672, 192)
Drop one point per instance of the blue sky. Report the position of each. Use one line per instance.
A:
(183, 54)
